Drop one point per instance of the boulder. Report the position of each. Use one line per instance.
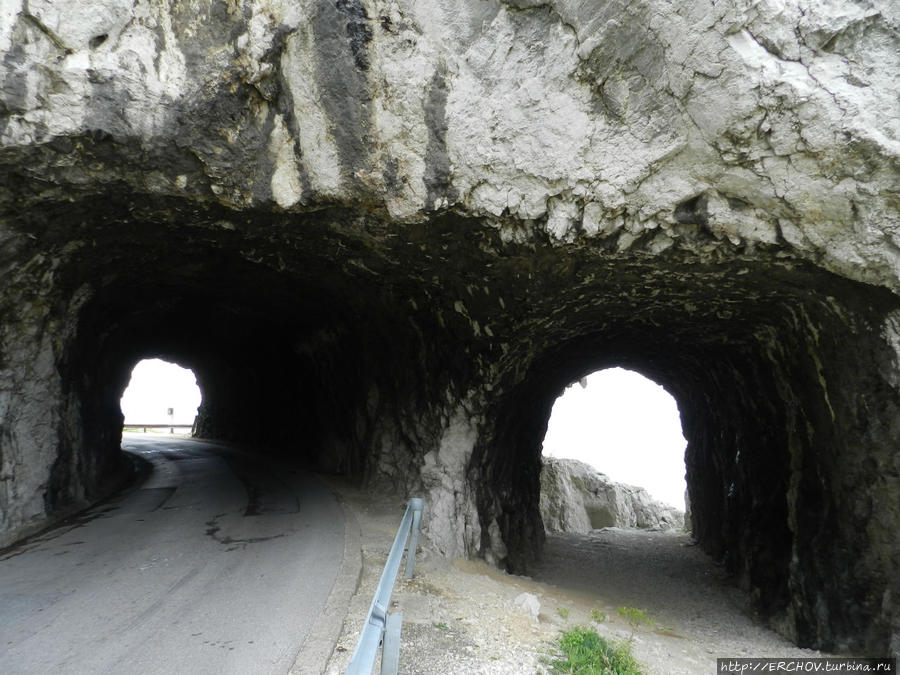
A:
(577, 498)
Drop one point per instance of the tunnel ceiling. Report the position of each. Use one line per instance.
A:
(402, 228)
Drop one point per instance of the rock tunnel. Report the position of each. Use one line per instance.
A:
(385, 244)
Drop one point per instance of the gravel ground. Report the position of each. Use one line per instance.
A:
(462, 617)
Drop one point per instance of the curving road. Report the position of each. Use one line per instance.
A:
(217, 563)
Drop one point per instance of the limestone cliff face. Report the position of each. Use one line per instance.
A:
(576, 498)
(634, 124)
(406, 226)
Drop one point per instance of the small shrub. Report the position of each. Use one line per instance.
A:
(635, 618)
(598, 616)
(563, 612)
(442, 626)
(583, 652)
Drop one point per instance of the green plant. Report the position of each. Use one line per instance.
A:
(563, 612)
(635, 618)
(598, 616)
(441, 626)
(581, 651)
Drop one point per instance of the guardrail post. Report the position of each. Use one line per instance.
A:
(390, 646)
(416, 504)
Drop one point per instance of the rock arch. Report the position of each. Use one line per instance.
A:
(406, 226)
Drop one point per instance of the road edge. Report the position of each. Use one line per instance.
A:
(314, 654)
(130, 475)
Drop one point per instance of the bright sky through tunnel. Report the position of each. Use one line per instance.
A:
(155, 387)
(625, 426)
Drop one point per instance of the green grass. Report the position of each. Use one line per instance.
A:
(582, 652)
(635, 618)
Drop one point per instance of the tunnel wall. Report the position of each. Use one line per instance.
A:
(789, 403)
(770, 429)
(406, 226)
(794, 426)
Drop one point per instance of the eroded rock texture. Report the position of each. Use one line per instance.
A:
(391, 232)
(576, 498)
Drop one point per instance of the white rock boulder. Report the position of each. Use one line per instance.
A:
(576, 498)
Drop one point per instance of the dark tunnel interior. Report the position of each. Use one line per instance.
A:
(321, 337)
(767, 425)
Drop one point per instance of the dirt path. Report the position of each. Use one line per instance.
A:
(698, 614)
(462, 616)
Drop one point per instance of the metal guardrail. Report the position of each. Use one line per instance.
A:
(381, 627)
(171, 427)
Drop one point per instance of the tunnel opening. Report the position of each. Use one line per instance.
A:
(292, 346)
(766, 423)
(625, 430)
(160, 393)
(257, 385)
(397, 363)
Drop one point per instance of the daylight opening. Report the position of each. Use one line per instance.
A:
(625, 426)
(161, 393)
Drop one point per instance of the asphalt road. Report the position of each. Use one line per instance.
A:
(217, 563)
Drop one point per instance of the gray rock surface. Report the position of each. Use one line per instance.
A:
(759, 123)
(529, 603)
(404, 227)
(577, 498)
